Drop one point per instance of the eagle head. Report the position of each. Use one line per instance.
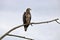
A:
(28, 9)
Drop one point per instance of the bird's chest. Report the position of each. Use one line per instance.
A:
(28, 18)
(28, 15)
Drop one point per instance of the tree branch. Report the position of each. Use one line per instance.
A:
(25, 24)
(46, 21)
(19, 36)
(11, 31)
(57, 22)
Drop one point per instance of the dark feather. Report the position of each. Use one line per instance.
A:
(25, 21)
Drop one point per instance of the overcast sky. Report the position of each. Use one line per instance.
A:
(11, 12)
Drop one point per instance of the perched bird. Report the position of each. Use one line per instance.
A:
(26, 18)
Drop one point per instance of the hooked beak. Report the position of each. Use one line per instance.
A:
(30, 9)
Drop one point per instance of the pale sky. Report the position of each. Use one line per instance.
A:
(11, 12)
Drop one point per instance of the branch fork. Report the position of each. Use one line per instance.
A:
(7, 33)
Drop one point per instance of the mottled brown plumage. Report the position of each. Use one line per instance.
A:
(26, 18)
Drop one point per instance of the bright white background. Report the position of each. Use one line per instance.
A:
(11, 12)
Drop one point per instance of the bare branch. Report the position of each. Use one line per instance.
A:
(46, 21)
(25, 24)
(57, 22)
(19, 36)
(11, 31)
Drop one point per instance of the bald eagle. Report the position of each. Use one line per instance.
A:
(26, 18)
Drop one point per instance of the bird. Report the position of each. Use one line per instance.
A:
(26, 18)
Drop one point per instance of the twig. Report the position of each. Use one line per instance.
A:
(25, 24)
(11, 31)
(19, 36)
(57, 22)
(46, 21)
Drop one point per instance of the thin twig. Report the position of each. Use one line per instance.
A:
(57, 22)
(45, 21)
(30, 24)
(11, 31)
(19, 36)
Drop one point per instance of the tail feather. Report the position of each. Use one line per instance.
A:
(25, 27)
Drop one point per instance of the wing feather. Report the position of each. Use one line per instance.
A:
(24, 18)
